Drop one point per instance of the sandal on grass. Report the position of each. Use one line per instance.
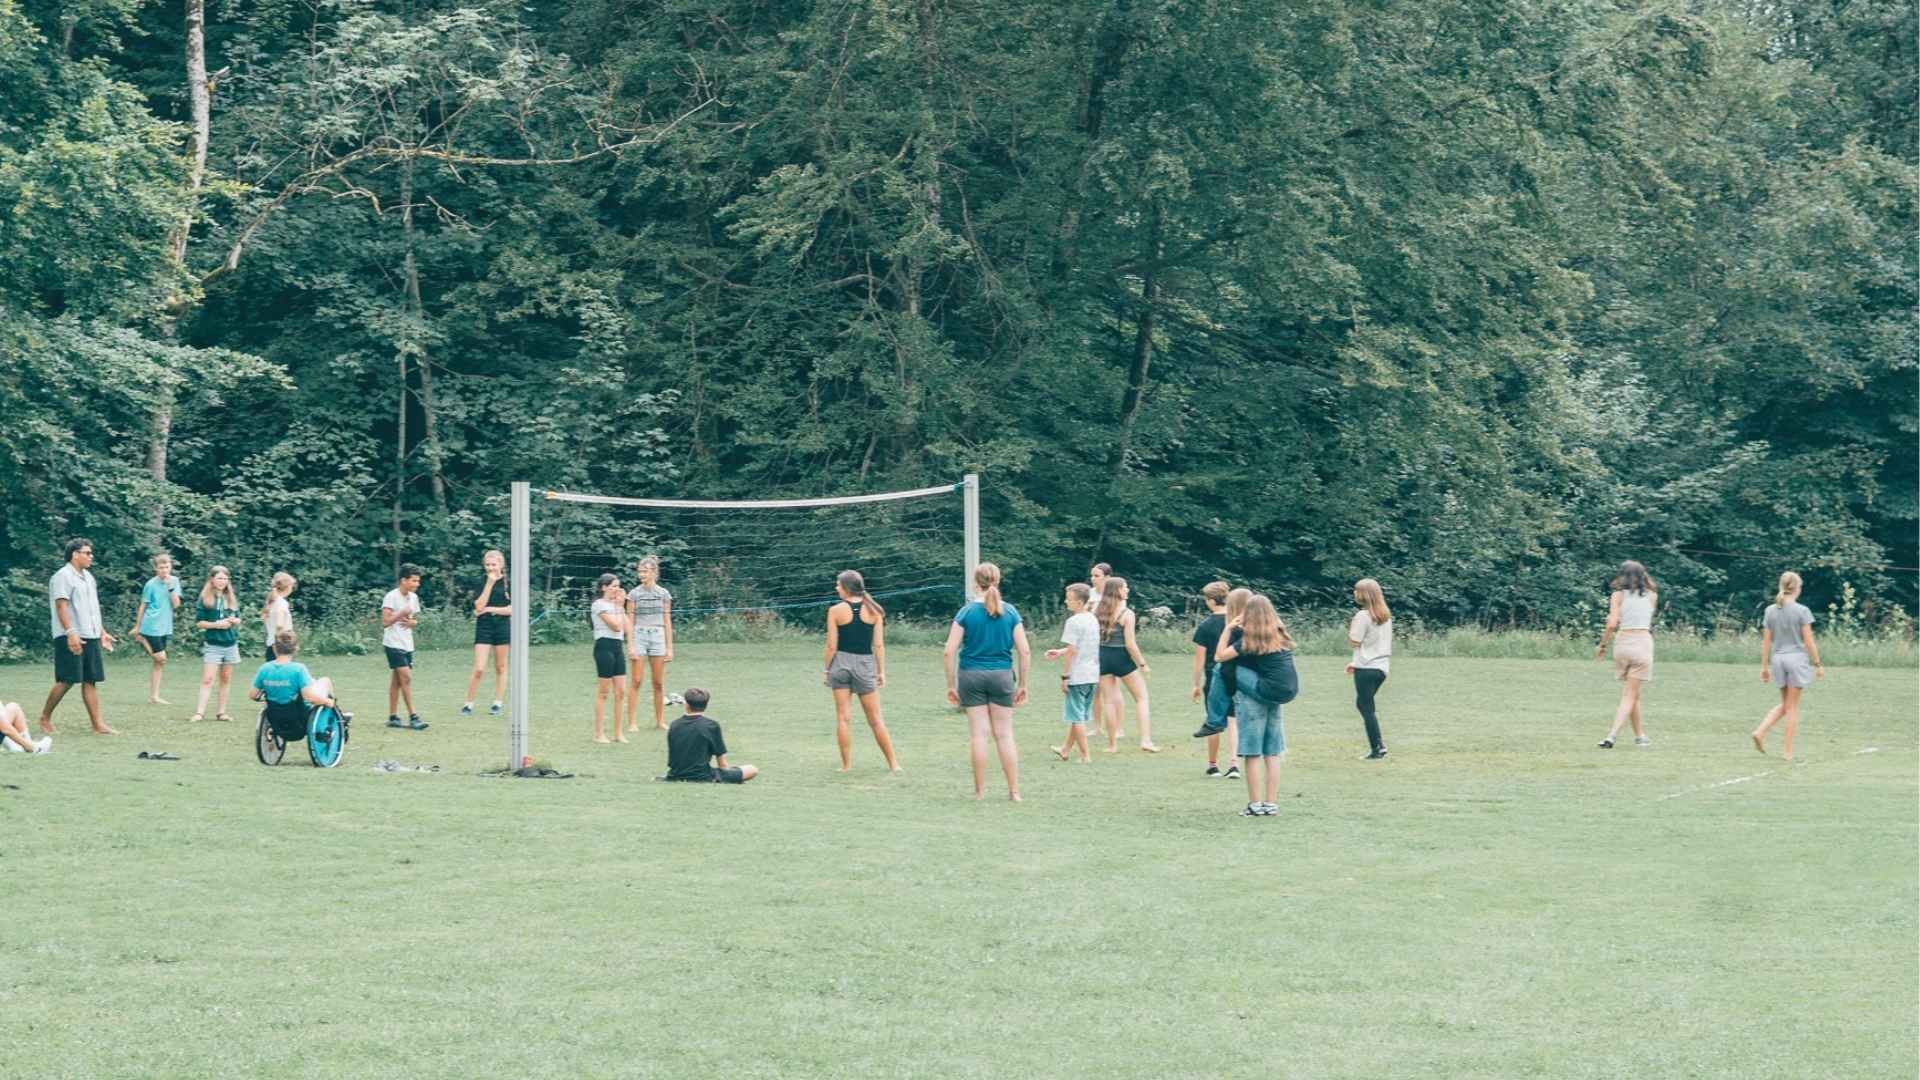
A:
(196, 718)
(223, 718)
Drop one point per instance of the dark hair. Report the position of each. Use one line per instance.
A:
(607, 579)
(696, 699)
(285, 644)
(76, 544)
(1104, 568)
(408, 570)
(1633, 578)
(854, 585)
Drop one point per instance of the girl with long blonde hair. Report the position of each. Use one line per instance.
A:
(216, 615)
(1121, 664)
(1370, 636)
(649, 640)
(1788, 658)
(1262, 648)
(983, 645)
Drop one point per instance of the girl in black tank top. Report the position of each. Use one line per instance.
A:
(856, 666)
(856, 637)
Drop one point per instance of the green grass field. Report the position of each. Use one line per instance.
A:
(1500, 899)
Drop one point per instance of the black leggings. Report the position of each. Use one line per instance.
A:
(1366, 683)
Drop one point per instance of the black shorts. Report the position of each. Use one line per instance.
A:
(88, 667)
(493, 630)
(271, 655)
(399, 658)
(729, 775)
(609, 657)
(155, 642)
(1117, 661)
(288, 721)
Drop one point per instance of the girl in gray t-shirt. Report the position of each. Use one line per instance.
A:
(1788, 658)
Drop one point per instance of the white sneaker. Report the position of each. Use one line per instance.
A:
(1642, 740)
(14, 747)
(43, 744)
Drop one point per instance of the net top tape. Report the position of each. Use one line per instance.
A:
(752, 504)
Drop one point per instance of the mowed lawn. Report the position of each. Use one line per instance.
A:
(1500, 899)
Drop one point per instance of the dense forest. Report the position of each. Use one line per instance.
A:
(1475, 296)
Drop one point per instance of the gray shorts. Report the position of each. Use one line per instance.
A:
(1791, 669)
(977, 688)
(853, 671)
(224, 655)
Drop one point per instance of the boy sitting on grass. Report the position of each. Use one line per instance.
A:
(695, 749)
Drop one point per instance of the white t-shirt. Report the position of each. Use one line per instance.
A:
(601, 609)
(279, 617)
(76, 587)
(398, 635)
(1376, 641)
(1083, 633)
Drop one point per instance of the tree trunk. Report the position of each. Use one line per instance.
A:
(160, 426)
(1142, 361)
(430, 434)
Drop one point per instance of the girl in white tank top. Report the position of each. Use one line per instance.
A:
(1630, 615)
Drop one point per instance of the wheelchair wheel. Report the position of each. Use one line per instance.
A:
(326, 736)
(267, 744)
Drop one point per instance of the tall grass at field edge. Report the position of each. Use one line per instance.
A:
(1314, 636)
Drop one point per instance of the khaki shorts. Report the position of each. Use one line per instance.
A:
(1633, 656)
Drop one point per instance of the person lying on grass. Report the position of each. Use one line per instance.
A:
(695, 749)
(13, 731)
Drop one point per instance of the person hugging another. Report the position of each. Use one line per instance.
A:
(696, 751)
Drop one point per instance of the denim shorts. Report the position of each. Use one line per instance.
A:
(228, 655)
(1078, 708)
(1261, 733)
(647, 641)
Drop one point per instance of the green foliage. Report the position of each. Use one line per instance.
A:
(1474, 298)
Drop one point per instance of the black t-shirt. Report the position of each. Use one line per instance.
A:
(692, 744)
(496, 597)
(1279, 682)
(1207, 636)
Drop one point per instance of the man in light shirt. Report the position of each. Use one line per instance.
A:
(79, 638)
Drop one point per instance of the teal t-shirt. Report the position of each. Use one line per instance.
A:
(226, 636)
(986, 643)
(282, 680)
(158, 596)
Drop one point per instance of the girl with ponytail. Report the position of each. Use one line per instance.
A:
(276, 615)
(1788, 658)
(856, 665)
(982, 645)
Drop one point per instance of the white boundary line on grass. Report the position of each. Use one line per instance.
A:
(1754, 776)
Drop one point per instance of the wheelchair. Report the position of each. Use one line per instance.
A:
(324, 727)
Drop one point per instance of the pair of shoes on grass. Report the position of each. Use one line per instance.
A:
(411, 723)
(1260, 809)
(40, 745)
(492, 710)
(1638, 740)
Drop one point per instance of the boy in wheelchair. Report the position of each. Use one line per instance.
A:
(290, 690)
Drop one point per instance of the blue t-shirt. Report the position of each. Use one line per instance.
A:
(158, 596)
(282, 680)
(986, 643)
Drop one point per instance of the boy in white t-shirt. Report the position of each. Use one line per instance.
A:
(1081, 656)
(399, 613)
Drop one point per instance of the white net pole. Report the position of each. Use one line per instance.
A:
(519, 586)
(970, 510)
